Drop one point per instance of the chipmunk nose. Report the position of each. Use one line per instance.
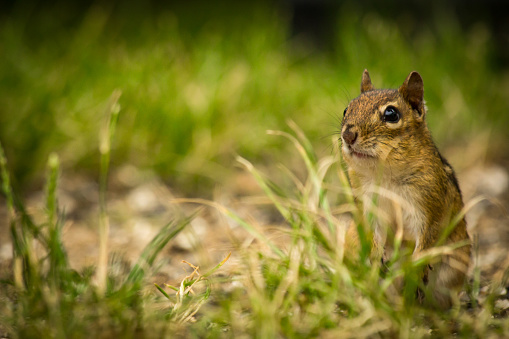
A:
(349, 136)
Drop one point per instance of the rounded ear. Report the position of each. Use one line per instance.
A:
(366, 82)
(412, 91)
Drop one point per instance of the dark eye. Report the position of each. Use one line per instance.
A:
(344, 112)
(391, 115)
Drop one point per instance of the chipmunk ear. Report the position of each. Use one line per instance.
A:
(366, 84)
(412, 91)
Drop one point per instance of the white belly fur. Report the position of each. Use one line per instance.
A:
(396, 207)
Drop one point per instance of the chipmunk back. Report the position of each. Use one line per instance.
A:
(390, 155)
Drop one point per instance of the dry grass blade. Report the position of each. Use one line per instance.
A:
(236, 218)
(112, 112)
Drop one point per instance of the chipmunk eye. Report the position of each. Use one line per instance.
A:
(344, 112)
(391, 115)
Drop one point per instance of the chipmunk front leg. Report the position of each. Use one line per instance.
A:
(438, 276)
(379, 252)
(424, 242)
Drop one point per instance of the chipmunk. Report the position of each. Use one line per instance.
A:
(390, 156)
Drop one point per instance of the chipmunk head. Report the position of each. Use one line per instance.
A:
(379, 125)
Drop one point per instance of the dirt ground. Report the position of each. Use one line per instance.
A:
(140, 203)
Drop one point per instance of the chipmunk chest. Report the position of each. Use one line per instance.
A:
(393, 206)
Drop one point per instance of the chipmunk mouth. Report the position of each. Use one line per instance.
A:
(359, 154)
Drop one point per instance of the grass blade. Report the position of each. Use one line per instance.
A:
(162, 291)
(215, 268)
(51, 187)
(236, 218)
(105, 150)
(155, 246)
(6, 184)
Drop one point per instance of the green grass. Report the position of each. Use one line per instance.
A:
(304, 287)
(198, 90)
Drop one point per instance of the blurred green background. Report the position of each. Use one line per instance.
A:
(202, 81)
